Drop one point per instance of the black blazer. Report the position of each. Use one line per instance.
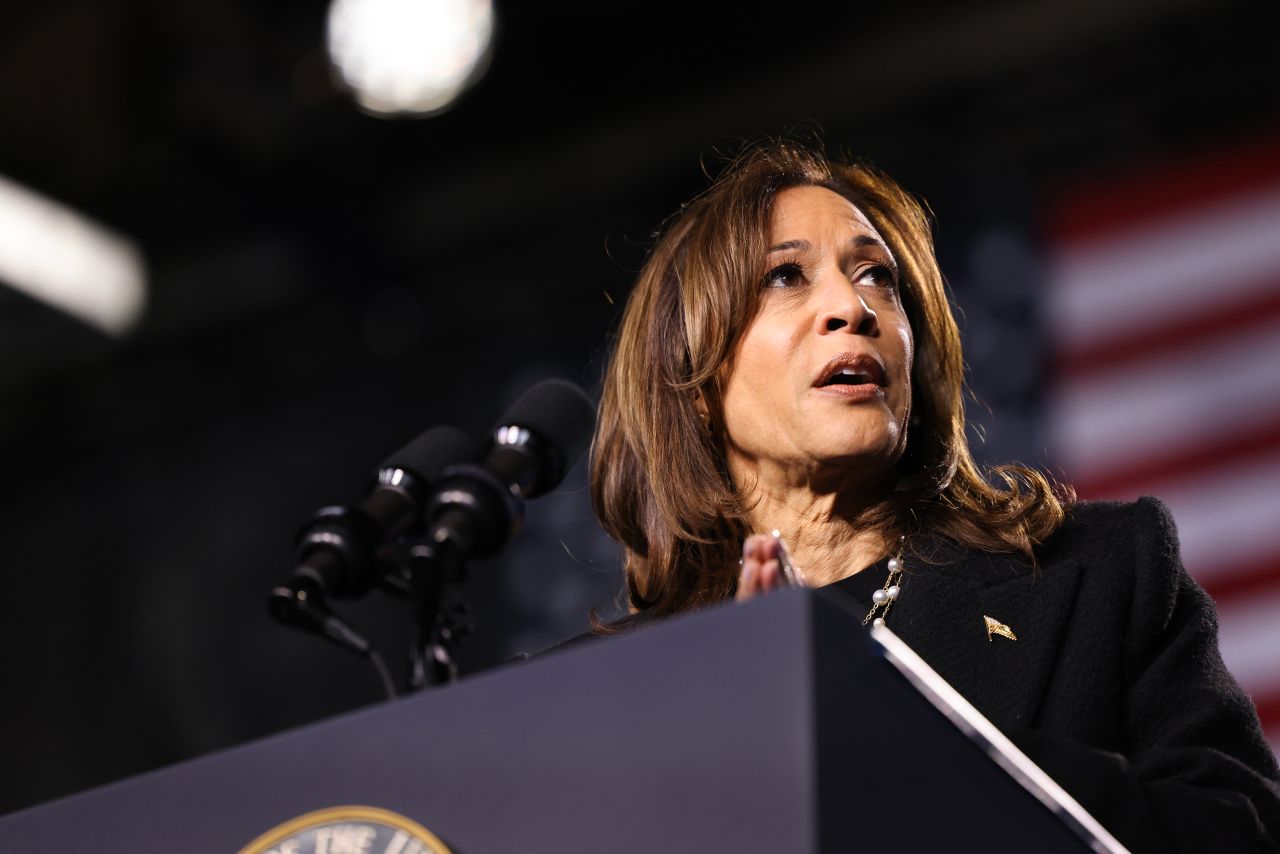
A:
(1114, 686)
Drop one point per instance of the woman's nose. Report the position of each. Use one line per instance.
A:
(844, 309)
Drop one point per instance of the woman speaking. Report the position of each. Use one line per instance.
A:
(788, 371)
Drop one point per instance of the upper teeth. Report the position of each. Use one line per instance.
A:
(850, 372)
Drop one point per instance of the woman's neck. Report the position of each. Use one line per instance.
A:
(820, 527)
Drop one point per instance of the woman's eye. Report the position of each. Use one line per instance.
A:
(784, 276)
(878, 276)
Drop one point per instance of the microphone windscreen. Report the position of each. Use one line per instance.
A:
(561, 414)
(431, 453)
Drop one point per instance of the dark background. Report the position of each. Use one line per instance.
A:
(325, 285)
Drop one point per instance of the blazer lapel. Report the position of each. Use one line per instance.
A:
(941, 616)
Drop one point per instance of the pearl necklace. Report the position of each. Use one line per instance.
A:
(882, 600)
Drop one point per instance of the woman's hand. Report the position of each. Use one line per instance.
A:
(766, 566)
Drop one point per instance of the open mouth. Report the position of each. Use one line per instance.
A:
(848, 376)
(851, 369)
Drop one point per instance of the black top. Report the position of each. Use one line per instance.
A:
(861, 585)
(1114, 685)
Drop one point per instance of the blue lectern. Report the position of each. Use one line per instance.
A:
(779, 725)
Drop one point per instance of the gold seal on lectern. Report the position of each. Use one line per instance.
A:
(348, 830)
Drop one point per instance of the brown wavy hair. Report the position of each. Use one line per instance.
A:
(659, 479)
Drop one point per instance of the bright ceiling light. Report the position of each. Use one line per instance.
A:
(409, 57)
(55, 255)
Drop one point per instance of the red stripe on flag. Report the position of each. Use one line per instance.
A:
(1143, 477)
(1268, 706)
(1243, 581)
(1165, 189)
(1202, 321)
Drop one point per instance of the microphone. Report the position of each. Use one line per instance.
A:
(476, 508)
(337, 549)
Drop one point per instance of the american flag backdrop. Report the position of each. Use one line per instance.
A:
(1164, 310)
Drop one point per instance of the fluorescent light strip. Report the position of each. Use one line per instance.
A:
(63, 259)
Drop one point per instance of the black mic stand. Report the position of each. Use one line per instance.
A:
(423, 570)
(472, 512)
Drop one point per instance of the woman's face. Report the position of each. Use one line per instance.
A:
(820, 383)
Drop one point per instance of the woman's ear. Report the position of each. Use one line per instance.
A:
(704, 413)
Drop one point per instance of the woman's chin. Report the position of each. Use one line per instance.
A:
(858, 443)
(869, 460)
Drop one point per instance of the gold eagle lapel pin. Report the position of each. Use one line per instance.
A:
(995, 627)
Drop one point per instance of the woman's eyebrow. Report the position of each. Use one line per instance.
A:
(802, 245)
(861, 240)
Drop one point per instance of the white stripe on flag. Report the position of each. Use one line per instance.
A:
(1249, 637)
(1227, 517)
(1102, 288)
(1156, 407)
